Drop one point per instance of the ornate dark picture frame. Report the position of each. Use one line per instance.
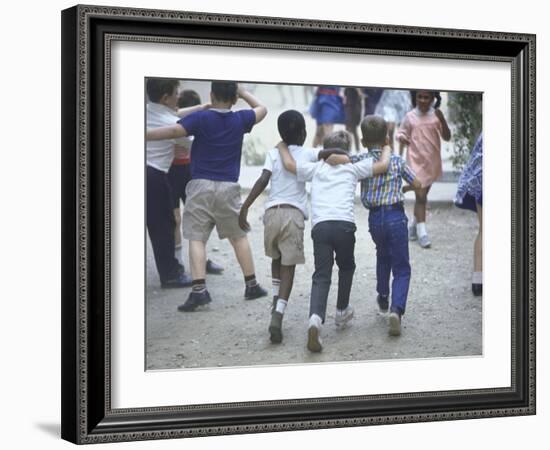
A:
(87, 34)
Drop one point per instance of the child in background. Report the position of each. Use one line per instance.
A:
(333, 227)
(352, 108)
(180, 174)
(469, 195)
(327, 109)
(383, 197)
(285, 212)
(422, 130)
(213, 194)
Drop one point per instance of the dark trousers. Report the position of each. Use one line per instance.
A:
(178, 177)
(332, 239)
(388, 228)
(161, 223)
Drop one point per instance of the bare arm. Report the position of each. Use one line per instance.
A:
(445, 131)
(169, 132)
(182, 112)
(288, 161)
(381, 166)
(257, 189)
(259, 109)
(414, 186)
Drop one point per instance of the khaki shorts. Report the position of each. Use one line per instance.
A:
(284, 235)
(212, 203)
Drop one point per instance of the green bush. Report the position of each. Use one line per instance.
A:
(465, 120)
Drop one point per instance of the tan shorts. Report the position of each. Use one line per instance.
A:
(284, 235)
(212, 203)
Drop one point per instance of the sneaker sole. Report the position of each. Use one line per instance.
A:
(254, 297)
(341, 323)
(395, 325)
(192, 308)
(275, 335)
(313, 343)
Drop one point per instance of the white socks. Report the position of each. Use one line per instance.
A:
(477, 278)
(281, 305)
(421, 229)
(275, 284)
(315, 321)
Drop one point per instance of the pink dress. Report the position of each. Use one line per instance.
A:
(424, 153)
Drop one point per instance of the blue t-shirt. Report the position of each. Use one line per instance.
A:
(217, 143)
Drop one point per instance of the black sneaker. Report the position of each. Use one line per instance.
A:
(477, 289)
(276, 327)
(383, 303)
(181, 280)
(253, 292)
(213, 268)
(195, 299)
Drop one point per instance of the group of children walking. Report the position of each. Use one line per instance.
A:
(213, 199)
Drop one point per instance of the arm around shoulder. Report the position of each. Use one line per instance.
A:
(161, 133)
(381, 166)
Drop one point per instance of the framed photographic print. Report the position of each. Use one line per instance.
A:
(220, 171)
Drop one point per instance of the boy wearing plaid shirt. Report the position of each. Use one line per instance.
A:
(383, 197)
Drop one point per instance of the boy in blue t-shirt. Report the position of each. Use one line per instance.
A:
(213, 194)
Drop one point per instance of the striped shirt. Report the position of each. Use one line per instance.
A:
(384, 189)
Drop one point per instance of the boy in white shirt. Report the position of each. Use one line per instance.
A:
(285, 212)
(333, 226)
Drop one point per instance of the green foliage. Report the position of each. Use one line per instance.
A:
(252, 152)
(465, 120)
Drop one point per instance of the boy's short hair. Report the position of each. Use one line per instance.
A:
(158, 87)
(188, 97)
(292, 126)
(224, 91)
(339, 139)
(374, 129)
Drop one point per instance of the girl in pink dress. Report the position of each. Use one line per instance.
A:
(421, 131)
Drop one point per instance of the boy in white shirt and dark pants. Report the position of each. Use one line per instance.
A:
(333, 226)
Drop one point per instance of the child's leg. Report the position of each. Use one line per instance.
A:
(344, 246)
(287, 280)
(324, 260)
(478, 260)
(241, 246)
(197, 259)
(383, 256)
(391, 129)
(477, 276)
(398, 246)
(276, 278)
(420, 203)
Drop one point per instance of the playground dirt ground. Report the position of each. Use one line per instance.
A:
(443, 318)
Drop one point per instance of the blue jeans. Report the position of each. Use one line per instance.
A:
(332, 238)
(388, 228)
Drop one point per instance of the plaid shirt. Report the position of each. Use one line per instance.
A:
(384, 189)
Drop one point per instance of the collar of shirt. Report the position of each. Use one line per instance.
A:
(375, 153)
(222, 110)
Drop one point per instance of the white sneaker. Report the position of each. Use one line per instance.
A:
(395, 324)
(314, 343)
(424, 241)
(344, 316)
